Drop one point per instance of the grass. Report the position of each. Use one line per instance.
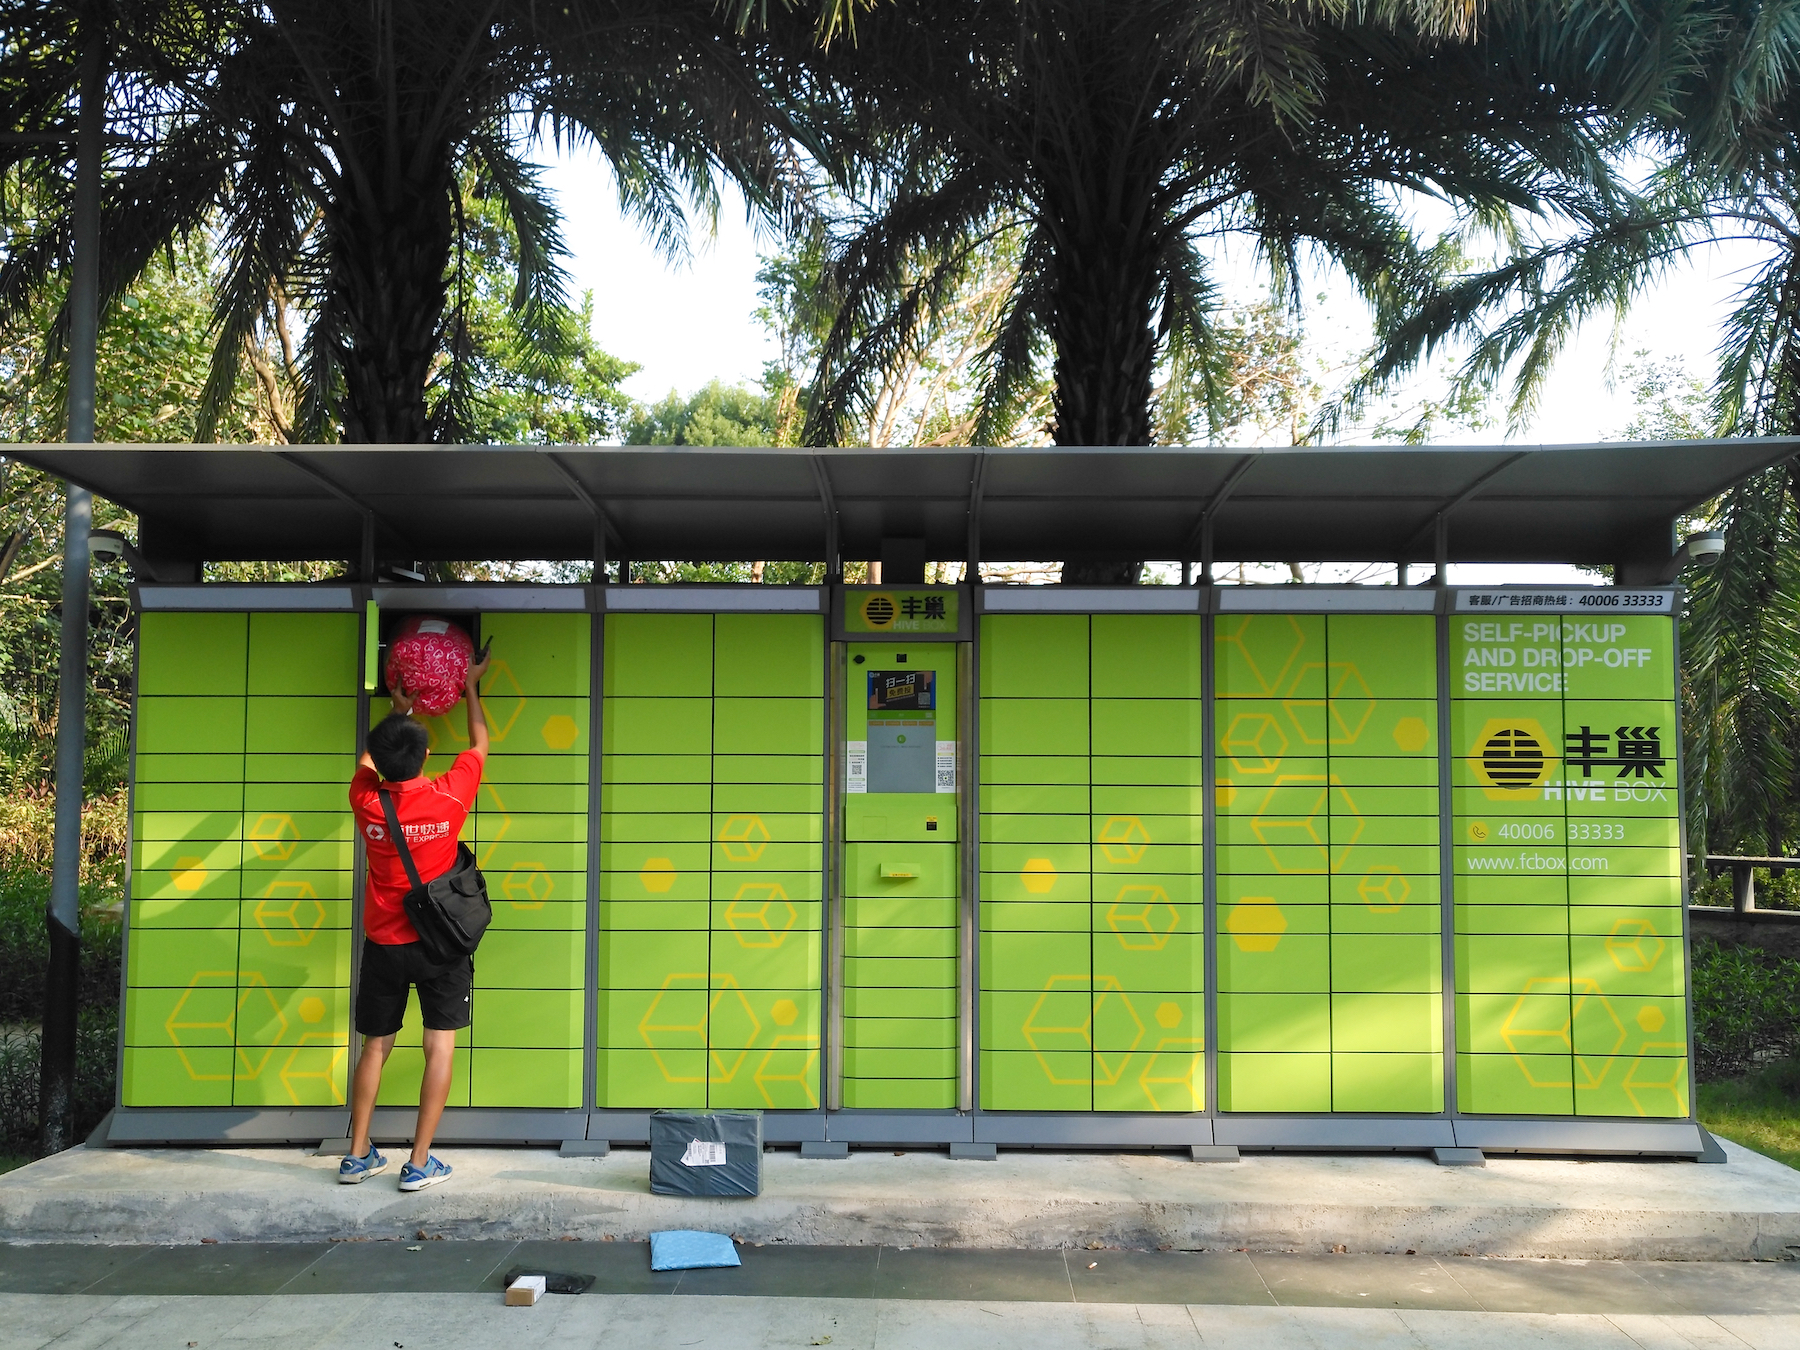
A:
(1761, 1111)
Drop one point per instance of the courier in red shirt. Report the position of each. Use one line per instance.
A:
(431, 812)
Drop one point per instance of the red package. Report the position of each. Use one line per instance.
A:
(429, 658)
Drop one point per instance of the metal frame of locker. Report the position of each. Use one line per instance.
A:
(970, 1125)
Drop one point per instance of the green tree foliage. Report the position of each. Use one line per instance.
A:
(719, 414)
(545, 381)
(332, 139)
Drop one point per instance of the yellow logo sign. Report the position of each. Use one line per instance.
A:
(1513, 759)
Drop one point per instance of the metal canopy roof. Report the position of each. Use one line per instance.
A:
(1591, 504)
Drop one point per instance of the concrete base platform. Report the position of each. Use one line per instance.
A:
(1748, 1209)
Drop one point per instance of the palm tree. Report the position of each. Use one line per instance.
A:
(1121, 138)
(325, 142)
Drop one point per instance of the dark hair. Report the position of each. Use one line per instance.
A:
(398, 746)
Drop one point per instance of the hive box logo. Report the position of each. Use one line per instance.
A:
(1513, 759)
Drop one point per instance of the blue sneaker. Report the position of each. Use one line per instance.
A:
(416, 1178)
(354, 1169)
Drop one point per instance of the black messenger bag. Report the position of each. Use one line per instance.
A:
(450, 912)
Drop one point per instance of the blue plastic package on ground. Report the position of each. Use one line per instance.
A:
(686, 1249)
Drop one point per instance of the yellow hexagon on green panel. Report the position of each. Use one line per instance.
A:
(666, 1035)
(761, 914)
(1256, 924)
(1142, 917)
(787, 1075)
(1050, 1025)
(1256, 653)
(1253, 741)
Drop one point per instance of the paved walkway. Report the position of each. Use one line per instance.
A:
(639, 1322)
(1747, 1208)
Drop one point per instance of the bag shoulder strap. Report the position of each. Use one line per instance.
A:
(399, 836)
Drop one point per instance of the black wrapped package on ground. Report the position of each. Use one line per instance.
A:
(706, 1152)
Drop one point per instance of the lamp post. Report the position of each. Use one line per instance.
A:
(62, 981)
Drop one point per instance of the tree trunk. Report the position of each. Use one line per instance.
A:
(391, 261)
(1105, 296)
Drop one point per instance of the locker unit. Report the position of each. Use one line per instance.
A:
(1570, 960)
(1002, 866)
(241, 867)
(1092, 928)
(1329, 949)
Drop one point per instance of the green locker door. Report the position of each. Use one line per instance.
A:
(900, 876)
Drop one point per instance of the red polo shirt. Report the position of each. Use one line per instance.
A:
(432, 812)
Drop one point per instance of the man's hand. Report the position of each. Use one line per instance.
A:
(401, 700)
(478, 727)
(478, 666)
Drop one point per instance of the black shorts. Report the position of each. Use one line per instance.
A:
(390, 969)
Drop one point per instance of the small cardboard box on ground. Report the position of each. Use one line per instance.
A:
(525, 1291)
(706, 1152)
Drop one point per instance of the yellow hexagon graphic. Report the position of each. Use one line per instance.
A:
(1650, 1019)
(1540, 1026)
(760, 914)
(658, 875)
(312, 1009)
(1168, 1015)
(1382, 889)
(527, 885)
(660, 1034)
(733, 1023)
(253, 988)
(784, 1011)
(1268, 645)
(189, 874)
(1669, 1069)
(1254, 742)
(1038, 875)
(176, 1025)
(289, 913)
(502, 700)
(559, 731)
(495, 825)
(1634, 946)
(1143, 918)
(1513, 758)
(803, 1075)
(327, 1069)
(274, 837)
(743, 838)
(1411, 734)
(1348, 703)
(1256, 923)
(1115, 1022)
(1172, 1077)
(1123, 839)
(1291, 823)
(1594, 1023)
(1044, 1036)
